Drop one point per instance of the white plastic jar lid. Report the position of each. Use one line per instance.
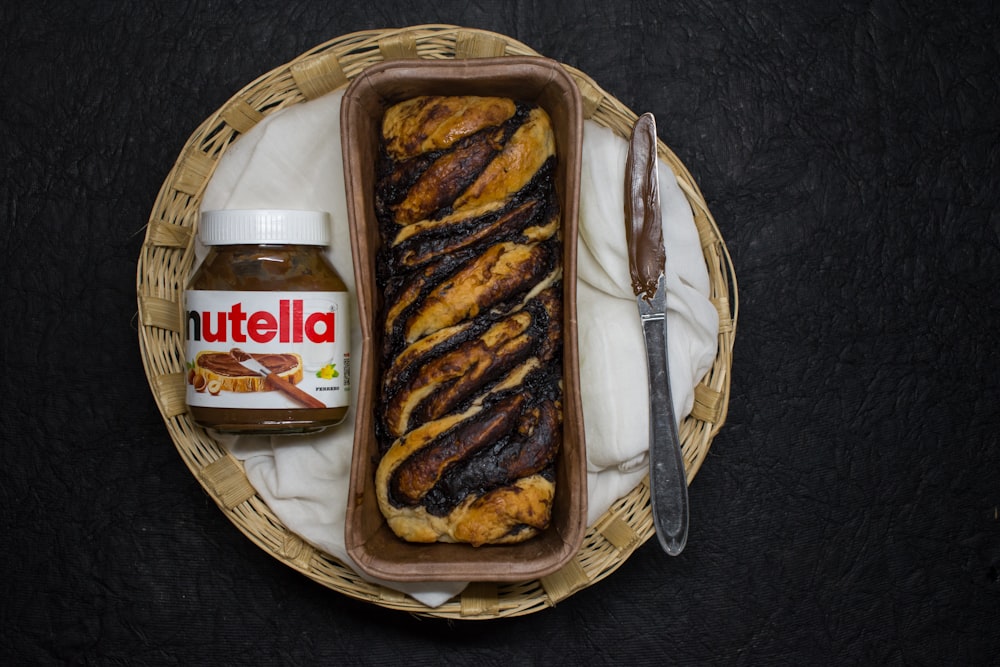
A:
(280, 226)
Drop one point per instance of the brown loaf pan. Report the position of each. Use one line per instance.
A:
(370, 542)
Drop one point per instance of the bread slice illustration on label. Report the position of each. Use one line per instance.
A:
(223, 367)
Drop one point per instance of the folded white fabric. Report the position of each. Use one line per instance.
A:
(292, 159)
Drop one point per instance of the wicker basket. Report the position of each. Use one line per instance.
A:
(168, 252)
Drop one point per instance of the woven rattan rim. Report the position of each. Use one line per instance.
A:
(167, 254)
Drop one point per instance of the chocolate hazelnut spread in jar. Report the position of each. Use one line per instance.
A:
(266, 325)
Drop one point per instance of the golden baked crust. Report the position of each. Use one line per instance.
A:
(427, 123)
(470, 406)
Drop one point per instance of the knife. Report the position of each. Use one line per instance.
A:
(275, 380)
(647, 265)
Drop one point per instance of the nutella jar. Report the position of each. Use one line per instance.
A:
(267, 330)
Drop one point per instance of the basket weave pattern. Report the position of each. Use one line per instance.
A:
(168, 252)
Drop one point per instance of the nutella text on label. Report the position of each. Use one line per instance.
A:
(289, 322)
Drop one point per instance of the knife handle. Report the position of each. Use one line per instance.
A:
(667, 476)
(283, 385)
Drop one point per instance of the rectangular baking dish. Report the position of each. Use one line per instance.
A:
(369, 540)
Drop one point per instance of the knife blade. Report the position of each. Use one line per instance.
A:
(276, 381)
(647, 265)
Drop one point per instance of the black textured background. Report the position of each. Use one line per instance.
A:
(848, 511)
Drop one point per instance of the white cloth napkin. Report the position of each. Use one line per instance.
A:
(292, 159)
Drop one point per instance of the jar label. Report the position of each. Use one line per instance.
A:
(267, 350)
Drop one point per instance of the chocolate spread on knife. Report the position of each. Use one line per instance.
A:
(643, 229)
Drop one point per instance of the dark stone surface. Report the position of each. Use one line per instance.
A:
(847, 512)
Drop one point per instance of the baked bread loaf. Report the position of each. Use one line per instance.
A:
(223, 368)
(469, 422)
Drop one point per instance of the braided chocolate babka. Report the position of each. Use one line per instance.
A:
(470, 406)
